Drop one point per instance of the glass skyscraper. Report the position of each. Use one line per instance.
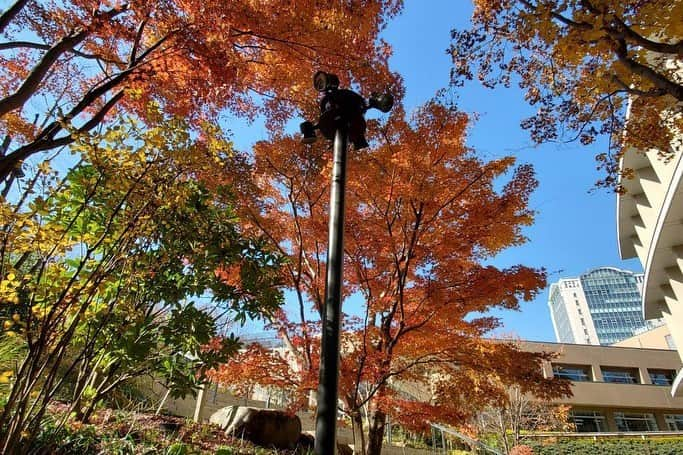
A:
(602, 306)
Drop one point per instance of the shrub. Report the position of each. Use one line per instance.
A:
(62, 439)
(620, 446)
(521, 450)
(177, 448)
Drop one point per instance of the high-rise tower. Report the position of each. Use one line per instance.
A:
(602, 306)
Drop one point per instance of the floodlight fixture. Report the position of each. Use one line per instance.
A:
(360, 143)
(323, 81)
(383, 102)
(308, 132)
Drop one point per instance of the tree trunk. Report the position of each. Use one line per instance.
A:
(376, 432)
(358, 433)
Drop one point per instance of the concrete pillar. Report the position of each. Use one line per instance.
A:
(644, 376)
(609, 420)
(201, 401)
(661, 423)
(597, 373)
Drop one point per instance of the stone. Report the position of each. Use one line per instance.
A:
(306, 441)
(263, 427)
(344, 449)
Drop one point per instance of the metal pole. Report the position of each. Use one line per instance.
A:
(326, 420)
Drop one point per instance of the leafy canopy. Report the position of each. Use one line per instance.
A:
(424, 214)
(580, 62)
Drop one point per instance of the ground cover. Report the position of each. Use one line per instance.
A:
(128, 432)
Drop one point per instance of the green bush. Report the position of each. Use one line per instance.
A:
(177, 448)
(57, 439)
(620, 446)
(119, 446)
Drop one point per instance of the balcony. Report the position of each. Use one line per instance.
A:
(606, 394)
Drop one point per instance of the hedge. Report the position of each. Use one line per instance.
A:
(621, 446)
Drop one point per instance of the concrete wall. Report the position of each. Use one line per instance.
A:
(651, 339)
(649, 226)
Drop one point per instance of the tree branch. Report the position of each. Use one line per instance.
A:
(46, 47)
(555, 15)
(646, 72)
(645, 43)
(11, 12)
(33, 80)
(46, 140)
(38, 73)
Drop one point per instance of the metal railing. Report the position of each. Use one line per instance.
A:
(463, 437)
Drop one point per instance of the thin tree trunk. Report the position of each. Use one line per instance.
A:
(376, 432)
(358, 433)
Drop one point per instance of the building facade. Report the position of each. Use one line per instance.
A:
(601, 307)
(650, 227)
(657, 338)
(616, 389)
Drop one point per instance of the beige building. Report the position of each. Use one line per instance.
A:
(657, 338)
(617, 389)
(650, 227)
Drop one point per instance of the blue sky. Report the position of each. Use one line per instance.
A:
(575, 230)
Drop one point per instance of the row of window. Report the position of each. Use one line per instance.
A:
(594, 421)
(618, 375)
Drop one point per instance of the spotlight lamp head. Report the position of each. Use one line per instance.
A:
(359, 143)
(383, 102)
(323, 81)
(308, 132)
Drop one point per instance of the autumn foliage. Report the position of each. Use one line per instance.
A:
(580, 62)
(66, 66)
(424, 217)
(103, 252)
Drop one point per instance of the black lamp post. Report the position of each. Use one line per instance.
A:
(342, 120)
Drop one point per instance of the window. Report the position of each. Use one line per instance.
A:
(674, 422)
(620, 375)
(588, 421)
(635, 422)
(580, 373)
(662, 377)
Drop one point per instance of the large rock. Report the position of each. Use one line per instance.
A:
(264, 427)
(344, 449)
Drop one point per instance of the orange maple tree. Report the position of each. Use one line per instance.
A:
(64, 66)
(581, 62)
(424, 215)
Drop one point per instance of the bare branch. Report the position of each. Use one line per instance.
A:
(33, 80)
(11, 12)
(46, 47)
(38, 73)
